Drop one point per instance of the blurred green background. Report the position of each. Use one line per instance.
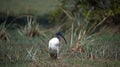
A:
(36, 7)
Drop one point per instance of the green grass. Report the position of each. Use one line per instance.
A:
(14, 53)
(36, 7)
(31, 51)
(65, 62)
(26, 51)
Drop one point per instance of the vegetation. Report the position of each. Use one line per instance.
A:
(32, 27)
(4, 36)
(91, 42)
(32, 7)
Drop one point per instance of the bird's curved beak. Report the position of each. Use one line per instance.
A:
(59, 34)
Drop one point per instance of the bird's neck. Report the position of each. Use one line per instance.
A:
(58, 37)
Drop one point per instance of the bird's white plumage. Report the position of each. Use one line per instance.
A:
(54, 44)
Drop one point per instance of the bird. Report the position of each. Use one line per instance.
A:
(54, 45)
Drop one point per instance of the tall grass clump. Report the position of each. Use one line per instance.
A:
(34, 36)
(31, 29)
(84, 35)
(4, 36)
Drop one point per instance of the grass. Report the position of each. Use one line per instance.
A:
(37, 7)
(31, 29)
(65, 62)
(84, 36)
(32, 52)
(26, 50)
(4, 36)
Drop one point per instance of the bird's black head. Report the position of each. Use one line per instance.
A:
(59, 34)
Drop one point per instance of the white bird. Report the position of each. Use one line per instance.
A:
(54, 45)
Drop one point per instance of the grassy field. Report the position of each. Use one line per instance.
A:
(36, 7)
(22, 51)
(27, 45)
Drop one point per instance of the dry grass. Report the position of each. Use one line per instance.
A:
(90, 49)
(4, 36)
(31, 29)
